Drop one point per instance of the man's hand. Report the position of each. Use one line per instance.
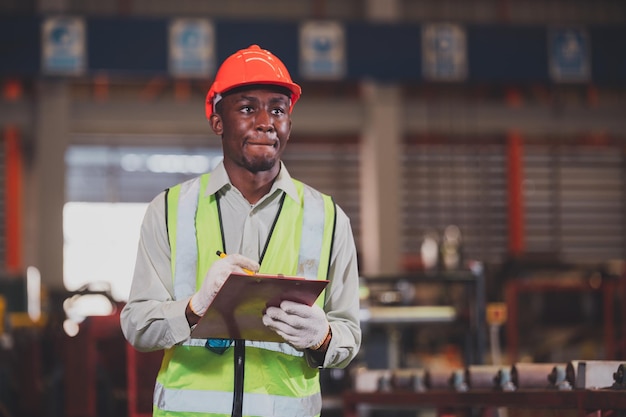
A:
(215, 278)
(300, 325)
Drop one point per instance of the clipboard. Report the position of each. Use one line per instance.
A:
(237, 310)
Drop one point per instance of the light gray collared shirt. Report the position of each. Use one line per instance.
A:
(152, 319)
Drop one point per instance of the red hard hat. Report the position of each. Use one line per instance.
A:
(252, 65)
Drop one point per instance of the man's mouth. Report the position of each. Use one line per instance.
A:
(262, 142)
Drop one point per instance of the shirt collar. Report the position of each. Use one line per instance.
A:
(219, 179)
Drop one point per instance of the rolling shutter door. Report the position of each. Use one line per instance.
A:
(574, 196)
(458, 182)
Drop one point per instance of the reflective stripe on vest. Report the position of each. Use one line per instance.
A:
(312, 238)
(186, 257)
(273, 346)
(218, 402)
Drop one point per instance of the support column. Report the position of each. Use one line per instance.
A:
(381, 165)
(51, 139)
(381, 180)
(515, 188)
(13, 199)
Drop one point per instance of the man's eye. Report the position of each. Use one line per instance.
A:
(246, 109)
(278, 111)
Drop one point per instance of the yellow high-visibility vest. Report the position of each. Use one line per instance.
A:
(196, 382)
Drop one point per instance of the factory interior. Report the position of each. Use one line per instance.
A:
(477, 146)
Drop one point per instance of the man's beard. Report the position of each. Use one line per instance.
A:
(256, 165)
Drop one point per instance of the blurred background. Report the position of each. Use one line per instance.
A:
(478, 146)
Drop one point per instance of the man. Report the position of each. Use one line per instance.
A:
(250, 208)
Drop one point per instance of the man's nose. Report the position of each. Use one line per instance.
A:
(264, 120)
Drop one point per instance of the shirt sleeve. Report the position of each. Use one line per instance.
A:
(342, 298)
(152, 319)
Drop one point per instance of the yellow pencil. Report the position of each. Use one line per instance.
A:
(223, 255)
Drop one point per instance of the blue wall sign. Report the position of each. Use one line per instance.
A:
(569, 57)
(63, 50)
(322, 50)
(444, 52)
(191, 48)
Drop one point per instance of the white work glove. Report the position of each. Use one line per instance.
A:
(215, 278)
(302, 326)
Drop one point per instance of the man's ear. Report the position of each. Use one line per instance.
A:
(216, 124)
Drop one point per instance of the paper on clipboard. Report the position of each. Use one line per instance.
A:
(237, 310)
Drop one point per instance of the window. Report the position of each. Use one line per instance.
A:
(108, 190)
